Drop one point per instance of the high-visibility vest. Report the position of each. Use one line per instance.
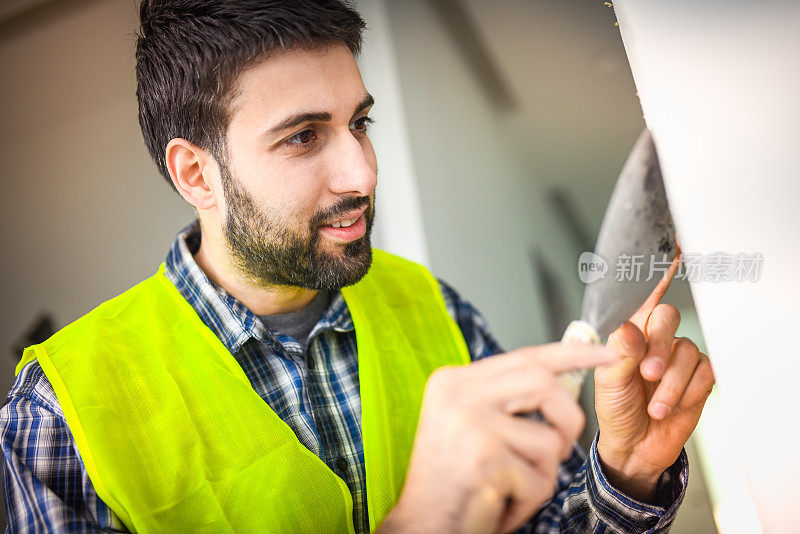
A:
(175, 439)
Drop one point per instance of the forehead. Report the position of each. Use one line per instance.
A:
(296, 81)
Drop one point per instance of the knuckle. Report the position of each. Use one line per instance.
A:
(444, 381)
(541, 379)
(552, 444)
(550, 465)
(532, 364)
(573, 420)
(705, 372)
(667, 313)
(490, 498)
(482, 452)
(541, 494)
(685, 347)
(685, 344)
(522, 356)
(466, 420)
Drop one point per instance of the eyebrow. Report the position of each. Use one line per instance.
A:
(314, 116)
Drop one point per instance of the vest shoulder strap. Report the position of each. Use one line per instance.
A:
(404, 333)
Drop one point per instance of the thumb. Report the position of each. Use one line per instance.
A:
(629, 342)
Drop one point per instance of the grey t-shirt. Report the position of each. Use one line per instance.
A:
(298, 324)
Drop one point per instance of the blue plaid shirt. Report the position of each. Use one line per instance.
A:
(315, 391)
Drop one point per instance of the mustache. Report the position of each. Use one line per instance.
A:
(347, 204)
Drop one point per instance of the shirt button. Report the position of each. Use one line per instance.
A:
(310, 362)
(341, 463)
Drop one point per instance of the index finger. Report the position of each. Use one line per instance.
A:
(643, 313)
(561, 357)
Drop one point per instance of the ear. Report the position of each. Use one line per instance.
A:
(191, 169)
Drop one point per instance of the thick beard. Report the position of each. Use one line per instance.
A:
(269, 253)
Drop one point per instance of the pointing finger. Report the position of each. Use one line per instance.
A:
(519, 381)
(643, 313)
(561, 357)
(555, 357)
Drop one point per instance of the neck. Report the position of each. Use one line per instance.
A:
(214, 261)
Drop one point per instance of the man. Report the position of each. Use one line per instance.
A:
(278, 375)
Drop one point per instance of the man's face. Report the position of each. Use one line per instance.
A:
(300, 173)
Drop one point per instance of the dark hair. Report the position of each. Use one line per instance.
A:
(189, 53)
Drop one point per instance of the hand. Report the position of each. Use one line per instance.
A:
(649, 402)
(476, 466)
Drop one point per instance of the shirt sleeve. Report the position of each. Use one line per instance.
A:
(46, 485)
(584, 500)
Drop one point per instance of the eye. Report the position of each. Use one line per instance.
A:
(361, 125)
(301, 139)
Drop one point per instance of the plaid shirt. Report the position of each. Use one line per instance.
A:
(316, 392)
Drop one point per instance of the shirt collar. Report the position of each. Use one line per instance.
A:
(226, 316)
(337, 316)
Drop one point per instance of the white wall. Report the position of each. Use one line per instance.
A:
(399, 225)
(480, 203)
(84, 214)
(719, 85)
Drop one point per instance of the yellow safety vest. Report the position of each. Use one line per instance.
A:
(175, 439)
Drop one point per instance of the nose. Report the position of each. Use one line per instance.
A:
(352, 166)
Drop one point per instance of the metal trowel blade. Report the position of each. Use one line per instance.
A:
(637, 230)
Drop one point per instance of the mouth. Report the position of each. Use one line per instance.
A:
(344, 223)
(348, 227)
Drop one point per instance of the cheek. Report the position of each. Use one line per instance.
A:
(305, 188)
(293, 187)
(298, 205)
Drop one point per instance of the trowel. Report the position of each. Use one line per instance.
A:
(636, 235)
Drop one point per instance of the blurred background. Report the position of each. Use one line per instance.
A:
(501, 128)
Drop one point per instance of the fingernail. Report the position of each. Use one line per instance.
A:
(659, 410)
(654, 367)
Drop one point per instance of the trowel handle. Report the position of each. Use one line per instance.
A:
(578, 332)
